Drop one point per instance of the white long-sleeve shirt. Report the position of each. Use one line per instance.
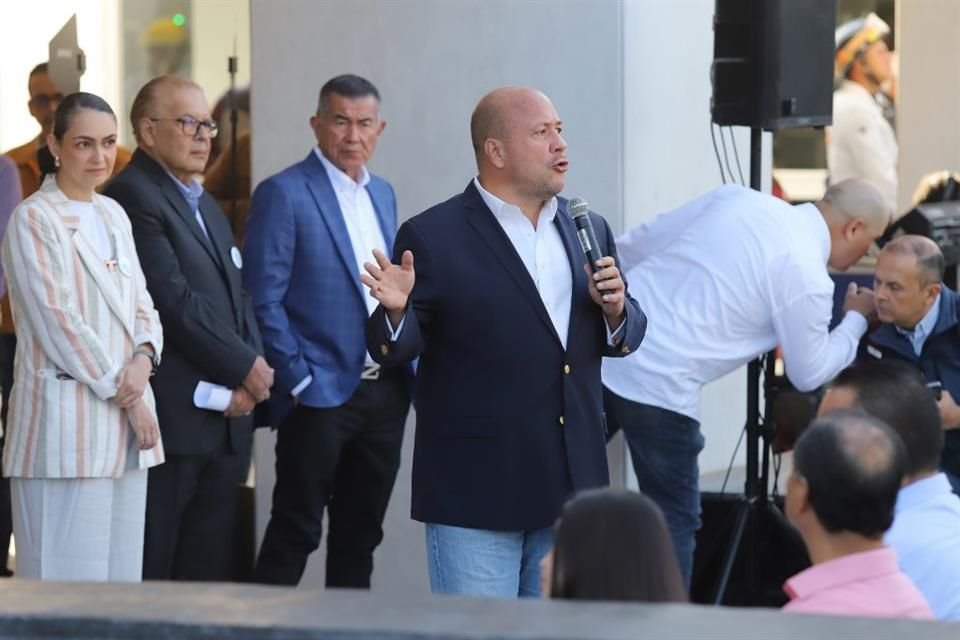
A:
(542, 252)
(723, 279)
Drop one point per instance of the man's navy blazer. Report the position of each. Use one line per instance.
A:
(509, 423)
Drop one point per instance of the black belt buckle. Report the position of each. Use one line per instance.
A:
(370, 372)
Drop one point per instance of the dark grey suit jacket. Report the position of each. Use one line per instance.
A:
(210, 332)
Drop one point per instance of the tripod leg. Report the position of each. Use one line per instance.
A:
(733, 547)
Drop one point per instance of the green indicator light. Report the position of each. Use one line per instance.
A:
(179, 19)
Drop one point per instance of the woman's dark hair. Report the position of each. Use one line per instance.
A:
(614, 545)
(72, 103)
(45, 162)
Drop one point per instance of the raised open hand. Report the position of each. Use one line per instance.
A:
(389, 283)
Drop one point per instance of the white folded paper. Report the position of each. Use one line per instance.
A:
(211, 396)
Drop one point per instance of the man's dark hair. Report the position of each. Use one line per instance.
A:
(614, 545)
(895, 392)
(346, 85)
(853, 465)
(43, 67)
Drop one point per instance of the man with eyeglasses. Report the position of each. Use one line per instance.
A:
(44, 98)
(192, 266)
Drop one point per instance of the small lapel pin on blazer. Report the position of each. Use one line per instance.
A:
(236, 257)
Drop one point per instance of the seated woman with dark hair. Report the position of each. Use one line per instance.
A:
(612, 545)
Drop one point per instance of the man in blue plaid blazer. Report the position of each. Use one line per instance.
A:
(339, 416)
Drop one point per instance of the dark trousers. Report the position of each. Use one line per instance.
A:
(949, 458)
(343, 459)
(191, 521)
(8, 347)
(664, 446)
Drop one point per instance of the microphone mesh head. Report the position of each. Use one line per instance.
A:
(577, 207)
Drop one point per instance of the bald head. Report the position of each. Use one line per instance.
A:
(924, 251)
(496, 114)
(152, 94)
(856, 215)
(520, 152)
(856, 198)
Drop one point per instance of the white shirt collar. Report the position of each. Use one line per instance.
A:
(340, 180)
(501, 208)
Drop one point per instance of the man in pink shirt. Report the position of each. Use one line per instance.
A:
(848, 468)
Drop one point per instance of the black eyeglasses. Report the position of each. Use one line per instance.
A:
(191, 126)
(43, 100)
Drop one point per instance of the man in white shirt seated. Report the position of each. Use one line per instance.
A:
(726, 278)
(926, 525)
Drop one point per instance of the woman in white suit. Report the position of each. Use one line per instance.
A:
(82, 427)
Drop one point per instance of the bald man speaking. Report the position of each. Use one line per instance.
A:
(492, 291)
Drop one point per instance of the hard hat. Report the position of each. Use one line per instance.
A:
(163, 32)
(852, 38)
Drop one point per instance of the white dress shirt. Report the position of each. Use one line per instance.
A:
(542, 252)
(724, 279)
(363, 227)
(918, 336)
(926, 535)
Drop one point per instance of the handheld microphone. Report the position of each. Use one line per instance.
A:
(579, 210)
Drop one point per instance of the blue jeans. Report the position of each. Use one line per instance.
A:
(664, 446)
(478, 562)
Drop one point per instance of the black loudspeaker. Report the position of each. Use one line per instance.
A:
(773, 63)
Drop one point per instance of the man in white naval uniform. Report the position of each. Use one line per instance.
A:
(861, 143)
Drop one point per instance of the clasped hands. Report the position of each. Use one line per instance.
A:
(135, 375)
(255, 388)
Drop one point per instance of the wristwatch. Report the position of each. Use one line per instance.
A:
(151, 355)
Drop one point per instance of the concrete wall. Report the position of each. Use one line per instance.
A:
(219, 29)
(630, 79)
(929, 96)
(432, 61)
